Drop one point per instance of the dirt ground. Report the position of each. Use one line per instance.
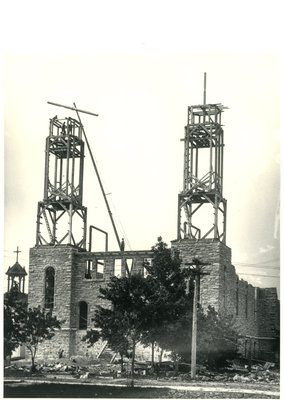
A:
(72, 379)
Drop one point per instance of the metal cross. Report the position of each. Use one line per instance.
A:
(17, 251)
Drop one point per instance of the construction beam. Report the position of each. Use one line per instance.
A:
(73, 108)
(99, 179)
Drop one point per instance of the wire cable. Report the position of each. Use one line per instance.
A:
(263, 276)
(257, 266)
(121, 226)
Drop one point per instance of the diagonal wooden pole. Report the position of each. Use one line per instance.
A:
(98, 176)
(72, 108)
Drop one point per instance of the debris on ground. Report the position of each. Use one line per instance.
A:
(265, 372)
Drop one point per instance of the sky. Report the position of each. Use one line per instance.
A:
(140, 70)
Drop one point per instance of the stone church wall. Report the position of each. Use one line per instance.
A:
(71, 287)
(255, 311)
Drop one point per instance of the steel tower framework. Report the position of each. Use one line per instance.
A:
(203, 174)
(63, 186)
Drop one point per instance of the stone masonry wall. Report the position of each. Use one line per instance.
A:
(88, 289)
(218, 257)
(269, 323)
(61, 258)
(255, 311)
(70, 288)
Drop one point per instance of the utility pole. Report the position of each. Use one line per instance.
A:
(195, 267)
(194, 326)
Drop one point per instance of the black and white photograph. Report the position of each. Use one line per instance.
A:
(140, 185)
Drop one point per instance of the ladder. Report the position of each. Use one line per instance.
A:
(47, 225)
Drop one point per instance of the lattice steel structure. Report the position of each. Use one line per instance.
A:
(61, 211)
(203, 175)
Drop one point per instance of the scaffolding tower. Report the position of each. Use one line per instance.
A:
(203, 175)
(63, 187)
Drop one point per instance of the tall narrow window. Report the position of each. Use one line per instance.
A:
(100, 265)
(129, 263)
(83, 315)
(88, 269)
(117, 267)
(49, 288)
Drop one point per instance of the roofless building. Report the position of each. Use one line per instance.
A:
(65, 276)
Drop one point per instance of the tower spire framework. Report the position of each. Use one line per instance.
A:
(203, 175)
(63, 187)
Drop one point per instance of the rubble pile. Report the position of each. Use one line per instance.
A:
(257, 373)
(80, 371)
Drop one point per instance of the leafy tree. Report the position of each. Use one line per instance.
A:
(122, 324)
(217, 341)
(170, 302)
(14, 314)
(38, 326)
(158, 310)
(109, 323)
(25, 326)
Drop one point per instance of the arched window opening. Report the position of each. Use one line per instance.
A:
(49, 288)
(83, 315)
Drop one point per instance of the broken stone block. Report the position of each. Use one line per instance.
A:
(244, 379)
(85, 376)
(268, 365)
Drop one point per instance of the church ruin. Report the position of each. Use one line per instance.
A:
(65, 275)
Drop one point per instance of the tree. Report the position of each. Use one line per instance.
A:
(123, 323)
(25, 326)
(109, 323)
(14, 314)
(158, 310)
(217, 341)
(38, 326)
(170, 302)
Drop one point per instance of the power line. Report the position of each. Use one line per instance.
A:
(257, 266)
(12, 251)
(11, 257)
(265, 276)
(260, 262)
(121, 226)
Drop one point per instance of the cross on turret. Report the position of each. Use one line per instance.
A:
(17, 251)
(16, 275)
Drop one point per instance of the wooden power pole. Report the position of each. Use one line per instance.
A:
(195, 267)
(194, 326)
